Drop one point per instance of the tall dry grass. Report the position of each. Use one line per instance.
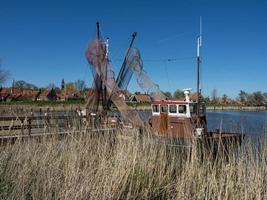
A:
(127, 166)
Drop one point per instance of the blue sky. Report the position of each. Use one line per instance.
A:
(42, 42)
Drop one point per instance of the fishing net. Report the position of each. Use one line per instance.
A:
(134, 63)
(105, 84)
(106, 89)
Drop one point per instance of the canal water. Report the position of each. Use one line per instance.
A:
(247, 122)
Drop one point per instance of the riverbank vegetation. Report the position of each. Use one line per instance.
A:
(127, 166)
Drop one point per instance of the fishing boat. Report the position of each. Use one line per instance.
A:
(186, 118)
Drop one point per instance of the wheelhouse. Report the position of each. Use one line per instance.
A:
(175, 108)
(178, 118)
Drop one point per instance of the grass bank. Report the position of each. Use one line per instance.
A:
(127, 167)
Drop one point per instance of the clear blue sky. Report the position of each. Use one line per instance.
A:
(42, 42)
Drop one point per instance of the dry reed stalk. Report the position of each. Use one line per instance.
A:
(127, 166)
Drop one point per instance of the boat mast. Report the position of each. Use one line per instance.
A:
(199, 44)
(97, 30)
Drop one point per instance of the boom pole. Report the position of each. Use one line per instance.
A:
(122, 70)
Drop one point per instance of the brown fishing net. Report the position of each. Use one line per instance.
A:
(104, 85)
(134, 62)
(107, 91)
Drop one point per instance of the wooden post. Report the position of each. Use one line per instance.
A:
(22, 126)
(29, 126)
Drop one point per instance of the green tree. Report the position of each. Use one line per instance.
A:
(258, 98)
(265, 96)
(70, 86)
(178, 94)
(206, 99)
(243, 96)
(224, 98)
(168, 95)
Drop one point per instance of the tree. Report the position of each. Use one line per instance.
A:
(243, 96)
(224, 98)
(23, 85)
(265, 96)
(51, 86)
(168, 95)
(4, 75)
(206, 99)
(70, 86)
(178, 94)
(258, 98)
(214, 95)
(80, 85)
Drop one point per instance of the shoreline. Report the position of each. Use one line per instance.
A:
(138, 108)
(240, 108)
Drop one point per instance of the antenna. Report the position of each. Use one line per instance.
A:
(107, 46)
(199, 44)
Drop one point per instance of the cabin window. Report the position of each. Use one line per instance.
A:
(172, 109)
(155, 108)
(182, 109)
(164, 108)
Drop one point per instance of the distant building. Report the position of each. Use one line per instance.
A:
(48, 95)
(7, 95)
(140, 98)
(70, 95)
(4, 94)
(30, 95)
(193, 97)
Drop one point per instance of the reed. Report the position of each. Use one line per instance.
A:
(129, 166)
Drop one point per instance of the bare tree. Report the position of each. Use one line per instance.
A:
(214, 95)
(79, 85)
(4, 75)
(51, 86)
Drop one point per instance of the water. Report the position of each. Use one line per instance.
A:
(247, 122)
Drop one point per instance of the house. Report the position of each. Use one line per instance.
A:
(70, 95)
(141, 98)
(30, 95)
(125, 94)
(4, 94)
(15, 95)
(47, 95)
(193, 97)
